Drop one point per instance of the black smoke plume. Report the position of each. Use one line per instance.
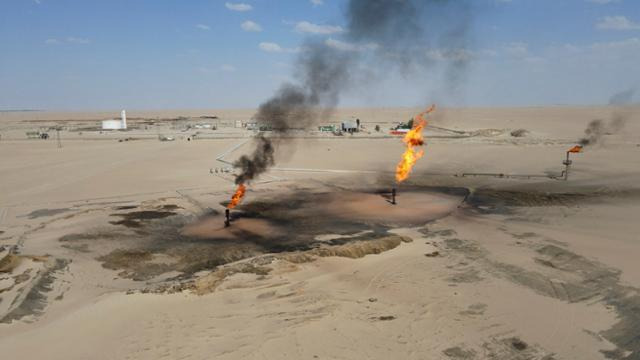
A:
(623, 97)
(407, 30)
(259, 161)
(596, 129)
(593, 133)
(389, 34)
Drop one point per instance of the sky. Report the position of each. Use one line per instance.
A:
(170, 54)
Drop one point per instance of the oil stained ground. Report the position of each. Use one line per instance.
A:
(150, 241)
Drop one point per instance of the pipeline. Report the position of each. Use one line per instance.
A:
(564, 175)
(507, 176)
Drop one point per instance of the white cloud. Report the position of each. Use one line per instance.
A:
(450, 55)
(275, 48)
(628, 43)
(270, 47)
(203, 27)
(251, 26)
(341, 45)
(602, 2)
(227, 68)
(345, 46)
(307, 27)
(489, 52)
(516, 49)
(216, 70)
(238, 6)
(279, 77)
(571, 48)
(617, 23)
(69, 40)
(75, 40)
(535, 60)
(317, 2)
(600, 48)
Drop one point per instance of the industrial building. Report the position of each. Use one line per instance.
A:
(351, 125)
(116, 124)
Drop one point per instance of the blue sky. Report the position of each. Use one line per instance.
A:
(170, 54)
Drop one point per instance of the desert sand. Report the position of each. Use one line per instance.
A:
(114, 245)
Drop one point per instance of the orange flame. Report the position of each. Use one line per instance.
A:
(576, 149)
(412, 139)
(237, 197)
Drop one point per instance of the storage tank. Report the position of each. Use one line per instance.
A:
(123, 118)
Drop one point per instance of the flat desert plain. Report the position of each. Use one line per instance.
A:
(114, 244)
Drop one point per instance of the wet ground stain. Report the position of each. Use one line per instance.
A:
(135, 219)
(46, 213)
(149, 242)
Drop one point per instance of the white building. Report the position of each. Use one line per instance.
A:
(116, 124)
(349, 126)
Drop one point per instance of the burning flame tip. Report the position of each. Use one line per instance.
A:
(412, 139)
(237, 196)
(576, 149)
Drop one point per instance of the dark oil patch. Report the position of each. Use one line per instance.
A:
(126, 207)
(437, 233)
(503, 201)
(170, 207)
(514, 348)
(475, 309)
(525, 235)
(90, 236)
(190, 254)
(458, 353)
(82, 248)
(135, 219)
(120, 258)
(518, 344)
(46, 212)
(468, 276)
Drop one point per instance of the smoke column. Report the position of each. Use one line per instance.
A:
(593, 133)
(261, 159)
(598, 128)
(396, 34)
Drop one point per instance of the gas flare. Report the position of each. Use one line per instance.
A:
(237, 197)
(576, 149)
(412, 139)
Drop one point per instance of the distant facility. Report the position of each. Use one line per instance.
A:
(116, 124)
(350, 126)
